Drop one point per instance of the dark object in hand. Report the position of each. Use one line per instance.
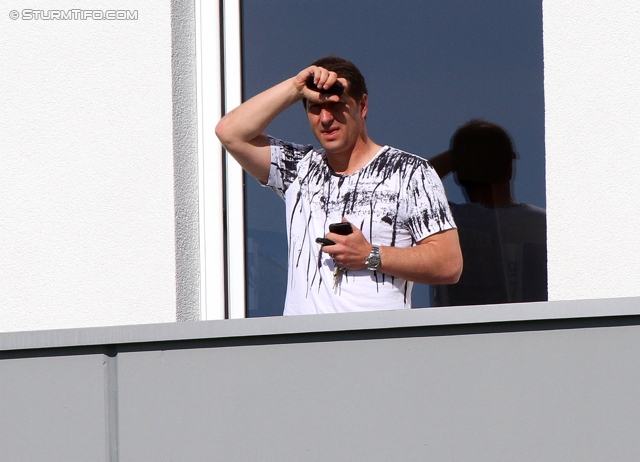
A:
(343, 228)
(335, 89)
(338, 228)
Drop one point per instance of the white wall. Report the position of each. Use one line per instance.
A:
(87, 177)
(86, 168)
(592, 97)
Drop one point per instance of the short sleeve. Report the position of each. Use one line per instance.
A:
(285, 157)
(427, 208)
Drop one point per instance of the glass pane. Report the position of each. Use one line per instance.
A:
(430, 67)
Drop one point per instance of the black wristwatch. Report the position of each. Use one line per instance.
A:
(373, 260)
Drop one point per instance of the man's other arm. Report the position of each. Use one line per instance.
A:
(436, 259)
(242, 130)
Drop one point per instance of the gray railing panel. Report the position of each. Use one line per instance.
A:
(552, 395)
(471, 383)
(52, 408)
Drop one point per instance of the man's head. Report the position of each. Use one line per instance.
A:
(340, 126)
(356, 86)
(482, 154)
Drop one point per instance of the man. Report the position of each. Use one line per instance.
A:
(401, 223)
(503, 241)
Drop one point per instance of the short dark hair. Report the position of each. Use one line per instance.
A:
(356, 87)
(482, 153)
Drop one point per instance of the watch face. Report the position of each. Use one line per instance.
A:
(373, 261)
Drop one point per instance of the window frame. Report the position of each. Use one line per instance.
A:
(221, 197)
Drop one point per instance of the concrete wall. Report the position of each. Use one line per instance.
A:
(543, 381)
(87, 213)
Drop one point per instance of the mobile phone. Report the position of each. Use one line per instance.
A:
(341, 228)
(335, 89)
(324, 241)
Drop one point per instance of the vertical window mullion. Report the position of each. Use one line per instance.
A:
(235, 235)
(210, 168)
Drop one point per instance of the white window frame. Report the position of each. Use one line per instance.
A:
(602, 119)
(221, 191)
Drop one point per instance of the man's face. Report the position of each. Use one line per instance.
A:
(338, 125)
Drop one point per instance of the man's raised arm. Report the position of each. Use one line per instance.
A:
(242, 130)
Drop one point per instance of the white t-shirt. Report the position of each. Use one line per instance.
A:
(395, 200)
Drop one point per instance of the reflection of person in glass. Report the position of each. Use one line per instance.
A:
(503, 241)
(401, 222)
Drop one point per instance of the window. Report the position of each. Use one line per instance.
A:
(430, 67)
